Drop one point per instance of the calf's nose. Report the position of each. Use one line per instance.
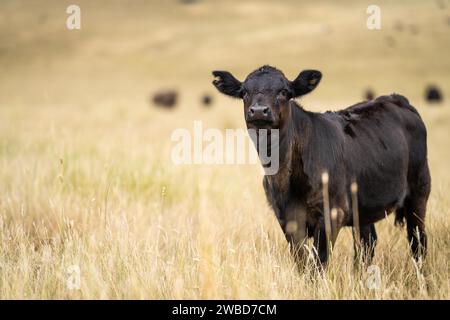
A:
(258, 112)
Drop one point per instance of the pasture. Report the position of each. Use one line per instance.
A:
(86, 179)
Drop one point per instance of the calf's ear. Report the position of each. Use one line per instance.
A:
(306, 82)
(226, 83)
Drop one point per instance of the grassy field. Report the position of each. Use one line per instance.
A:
(86, 178)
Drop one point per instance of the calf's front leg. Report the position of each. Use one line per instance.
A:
(294, 229)
(322, 242)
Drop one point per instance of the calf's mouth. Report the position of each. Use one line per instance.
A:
(260, 124)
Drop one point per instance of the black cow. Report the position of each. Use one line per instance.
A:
(433, 94)
(165, 98)
(379, 144)
(207, 100)
(369, 94)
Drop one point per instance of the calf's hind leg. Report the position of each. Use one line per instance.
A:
(415, 210)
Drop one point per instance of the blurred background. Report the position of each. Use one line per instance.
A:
(126, 51)
(123, 54)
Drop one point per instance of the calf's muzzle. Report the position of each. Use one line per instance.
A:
(259, 113)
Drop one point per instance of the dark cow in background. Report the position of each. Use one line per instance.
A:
(165, 98)
(207, 100)
(380, 144)
(433, 94)
(369, 94)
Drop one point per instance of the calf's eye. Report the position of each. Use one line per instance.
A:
(283, 93)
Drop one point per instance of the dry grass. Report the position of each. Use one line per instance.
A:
(85, 170)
